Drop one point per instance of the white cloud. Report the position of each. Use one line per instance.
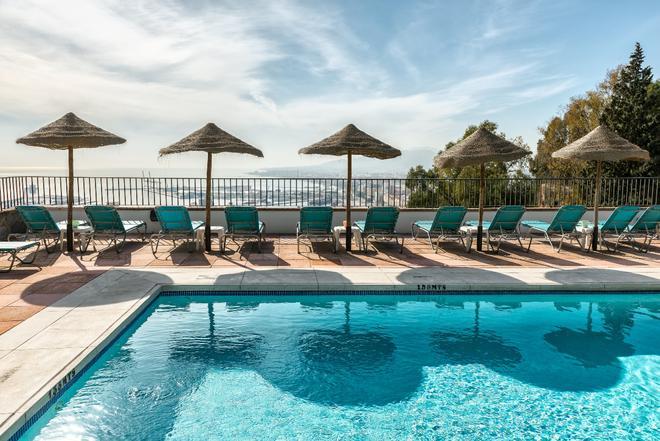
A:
(153, 71)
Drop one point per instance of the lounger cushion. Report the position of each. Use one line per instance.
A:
(131, 225)
(424, 225)
(475, 223)
(537, 225)
(9, 247)
(360, 224)
(76, 224)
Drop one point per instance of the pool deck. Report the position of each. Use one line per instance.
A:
(53, 321)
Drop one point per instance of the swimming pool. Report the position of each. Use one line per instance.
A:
(373, 367)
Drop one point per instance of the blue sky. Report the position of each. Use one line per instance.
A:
(284, 74)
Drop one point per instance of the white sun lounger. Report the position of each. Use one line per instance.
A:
(13, 248)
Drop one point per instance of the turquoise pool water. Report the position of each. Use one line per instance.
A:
(374, 368)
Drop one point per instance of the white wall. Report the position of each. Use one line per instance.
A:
(283, 220)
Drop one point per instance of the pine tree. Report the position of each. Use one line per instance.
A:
(631, 114)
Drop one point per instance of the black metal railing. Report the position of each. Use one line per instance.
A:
(296, 192)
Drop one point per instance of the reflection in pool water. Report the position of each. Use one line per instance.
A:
(374, 367)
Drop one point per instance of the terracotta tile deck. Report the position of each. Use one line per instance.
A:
(27, 289)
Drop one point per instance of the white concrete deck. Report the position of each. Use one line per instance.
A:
(43, 353)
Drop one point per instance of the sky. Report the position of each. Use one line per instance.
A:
(282, 74)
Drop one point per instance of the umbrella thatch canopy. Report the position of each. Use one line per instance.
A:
(480, 147)
(351, 141)
(210, 139)
(601, 144)
(68, 133)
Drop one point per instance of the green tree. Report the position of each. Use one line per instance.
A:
(579, 117)
(460, 185)
(631, 112)
(654, 122)
(424, 187)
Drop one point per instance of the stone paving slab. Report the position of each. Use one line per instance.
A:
(42, 351)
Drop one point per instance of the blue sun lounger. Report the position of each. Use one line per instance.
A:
(315, 223)
(40, 226)
(106, 222)
(379, 224)
(645, 227)
(616, 225)
(13, 248)
(563, 225)
(244, 223)
(175, 224)
(446, 225)
(504, 226)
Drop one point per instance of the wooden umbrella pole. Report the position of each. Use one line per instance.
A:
(69, 205)
(207, 219)
(349, 230)
(482, 190)
(594, 237)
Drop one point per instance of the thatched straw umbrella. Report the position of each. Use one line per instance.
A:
(68, 133)
(601, 144)
(480, 147)
(210, 139)
(351, 141)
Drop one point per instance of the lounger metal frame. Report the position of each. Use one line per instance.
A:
(509, 236)
(14, 256)
(233, 233)
(648, 231)
(571, 235)
(113, 236)
(245, 236)
(441, 233)
(648, 236)
(455, 235)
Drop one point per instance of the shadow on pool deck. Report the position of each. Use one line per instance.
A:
(598, 275)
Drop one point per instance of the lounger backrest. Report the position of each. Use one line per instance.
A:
(381, 220)
(567, 218)
(104, 219)
(242, 219)
(37, 218)
(648, 221)
(507, 218)
(174, 219)
(620, 218)
(448, 219)
(316, 220)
